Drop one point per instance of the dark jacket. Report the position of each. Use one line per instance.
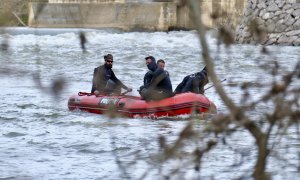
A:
(148, 77)
(160, 81)
(183, 84)
(193, 83)
(102, 75)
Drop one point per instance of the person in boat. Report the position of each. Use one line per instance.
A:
(161, 63)
(151, 66)
(105, 80)
(193, 83)
(157, 83)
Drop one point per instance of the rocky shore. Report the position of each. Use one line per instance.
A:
(278, 23)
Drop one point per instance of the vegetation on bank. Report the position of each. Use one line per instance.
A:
(9, 10)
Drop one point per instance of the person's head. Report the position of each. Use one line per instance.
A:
(161, 63)
(151, 63)
(109, 59)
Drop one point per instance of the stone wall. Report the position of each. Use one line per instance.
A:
(277, 21)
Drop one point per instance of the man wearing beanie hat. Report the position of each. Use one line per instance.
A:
(193, 83)
(105, 80)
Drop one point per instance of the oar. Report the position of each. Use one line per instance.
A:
(214, 85)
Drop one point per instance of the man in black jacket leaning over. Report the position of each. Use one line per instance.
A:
(193, 83)
(105, 80)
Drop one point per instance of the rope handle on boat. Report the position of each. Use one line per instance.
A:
(90, 94)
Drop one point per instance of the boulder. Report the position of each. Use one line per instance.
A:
(289, 21)
(293, 33)
(272, 7)
(296, 25)
(297, 42)
(296, 13)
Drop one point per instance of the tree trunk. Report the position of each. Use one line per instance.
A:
(259, 172)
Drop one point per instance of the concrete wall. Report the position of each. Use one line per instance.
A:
(128, 15)
(150, 16)
(85, 1)
(229, 11)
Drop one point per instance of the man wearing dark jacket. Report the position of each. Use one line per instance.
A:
(193, 83)
(157, 83)
(152, 67)
(105, 80)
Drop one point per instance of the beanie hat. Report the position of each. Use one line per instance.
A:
(150, 57)
(108, 56)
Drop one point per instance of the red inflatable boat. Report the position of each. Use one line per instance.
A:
(133, 106)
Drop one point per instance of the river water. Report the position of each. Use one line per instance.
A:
(41, 139)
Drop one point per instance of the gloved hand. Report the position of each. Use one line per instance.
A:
(141, 88)
(96, 93)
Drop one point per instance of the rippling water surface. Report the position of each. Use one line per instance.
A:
(41, 139)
